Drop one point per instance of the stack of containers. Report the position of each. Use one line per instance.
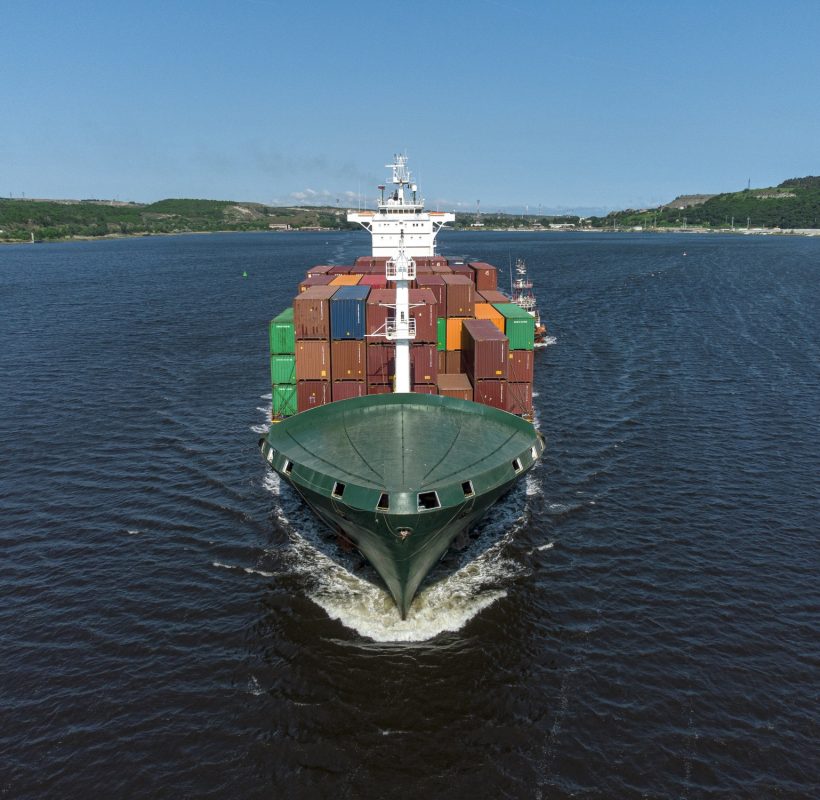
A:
(311, 319)
(485, 357)
(519, 326)
(282, 365)
(347, 348)
(460, 305)
(486, 276)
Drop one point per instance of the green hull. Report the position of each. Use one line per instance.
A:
(402, 475)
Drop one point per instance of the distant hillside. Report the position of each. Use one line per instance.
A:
(795, 203)
(59, 219)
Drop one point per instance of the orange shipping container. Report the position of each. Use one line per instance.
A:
(313, 360)
(345, 280)
(454, 332)
(488, 311)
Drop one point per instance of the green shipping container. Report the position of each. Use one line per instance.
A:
(441, 334)
(282, 336)
(282, 369)
(518, 325)
(284, 400)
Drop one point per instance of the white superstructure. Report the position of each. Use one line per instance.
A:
(401, 229)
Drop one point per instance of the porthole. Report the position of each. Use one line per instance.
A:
(384, 502)
(467, 488)
(428, 501)
(338, 490)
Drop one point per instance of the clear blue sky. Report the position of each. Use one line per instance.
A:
(552, 104)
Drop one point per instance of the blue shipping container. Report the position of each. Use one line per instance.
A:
(347, 309)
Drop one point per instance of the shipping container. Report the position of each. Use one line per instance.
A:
(441, 269)
(493, 296)
(423, 310)
(312, 360)
(460, 296)
(320, 270)
(485, 350)
(436, 285)
(374, 281)
(345, 390)
(490, 312)
(281, 335)
(282, 369)
(453, 362)
(519, 326)
(455, 385)
(519, 398)
(379, 388)
(315, 280)
(425, 388)
(423, 363)
(454, 332)
(491, 393)
(463, 269)
(486, 275)
(520, 366)
(311, 312)
(283, 400)
(347, 312)
(442, 362)
(381, 362)
(441, 333)
(310, 394)
(348, 360)
(340, 270)
(345, 280)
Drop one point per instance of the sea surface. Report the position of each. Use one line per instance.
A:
(639, 618)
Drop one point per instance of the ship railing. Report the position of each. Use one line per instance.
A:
(406, 331)
(393, 272)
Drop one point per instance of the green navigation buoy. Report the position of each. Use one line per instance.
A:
(244, 274)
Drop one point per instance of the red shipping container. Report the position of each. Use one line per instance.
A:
(424, 312)
(379, 388)
(442, 361)
(311, 312)
(519, 398)
(310, 394)
(491, 393)
(340, 270)
(436, 285)
(463, 269)
(315, 280)
(455, 385)
(345, 390)
(313, 360)
(425, 388)
(520, 364)
(441, 268)
(494, 296)
(376, 281)
(348, 360)
(453, 362)
(381, 363)
(486, 275)
(423, 363)
(485, 350)
(460, 296)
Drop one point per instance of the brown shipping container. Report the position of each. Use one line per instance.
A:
(485, 350)
(379, 388)
(348, 360)
(425, 388)
(437, 286)
(453, 362)
(381, 363)
(455, 385)
(340, 270)
(491, 393)
(494, 296)
(442, 361)
(486, 275)
(460, 296)
(311, 312)
(423, 363)
(310, 394)
(316, 280)
(344, 390)
(519, 398)
(520, 366)
(424, 313)
(312, 360)
(441, 269)
(320, 270)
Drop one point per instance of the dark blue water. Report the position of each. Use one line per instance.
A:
(641, 618)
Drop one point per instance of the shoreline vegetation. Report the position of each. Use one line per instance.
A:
(791, 208)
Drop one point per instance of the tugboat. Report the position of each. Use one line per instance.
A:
(522, 295)
(402, 474)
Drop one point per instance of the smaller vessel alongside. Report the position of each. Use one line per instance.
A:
(522, 295)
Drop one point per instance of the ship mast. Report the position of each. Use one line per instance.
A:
(400, 229)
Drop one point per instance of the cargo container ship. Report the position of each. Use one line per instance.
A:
(402, 392)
